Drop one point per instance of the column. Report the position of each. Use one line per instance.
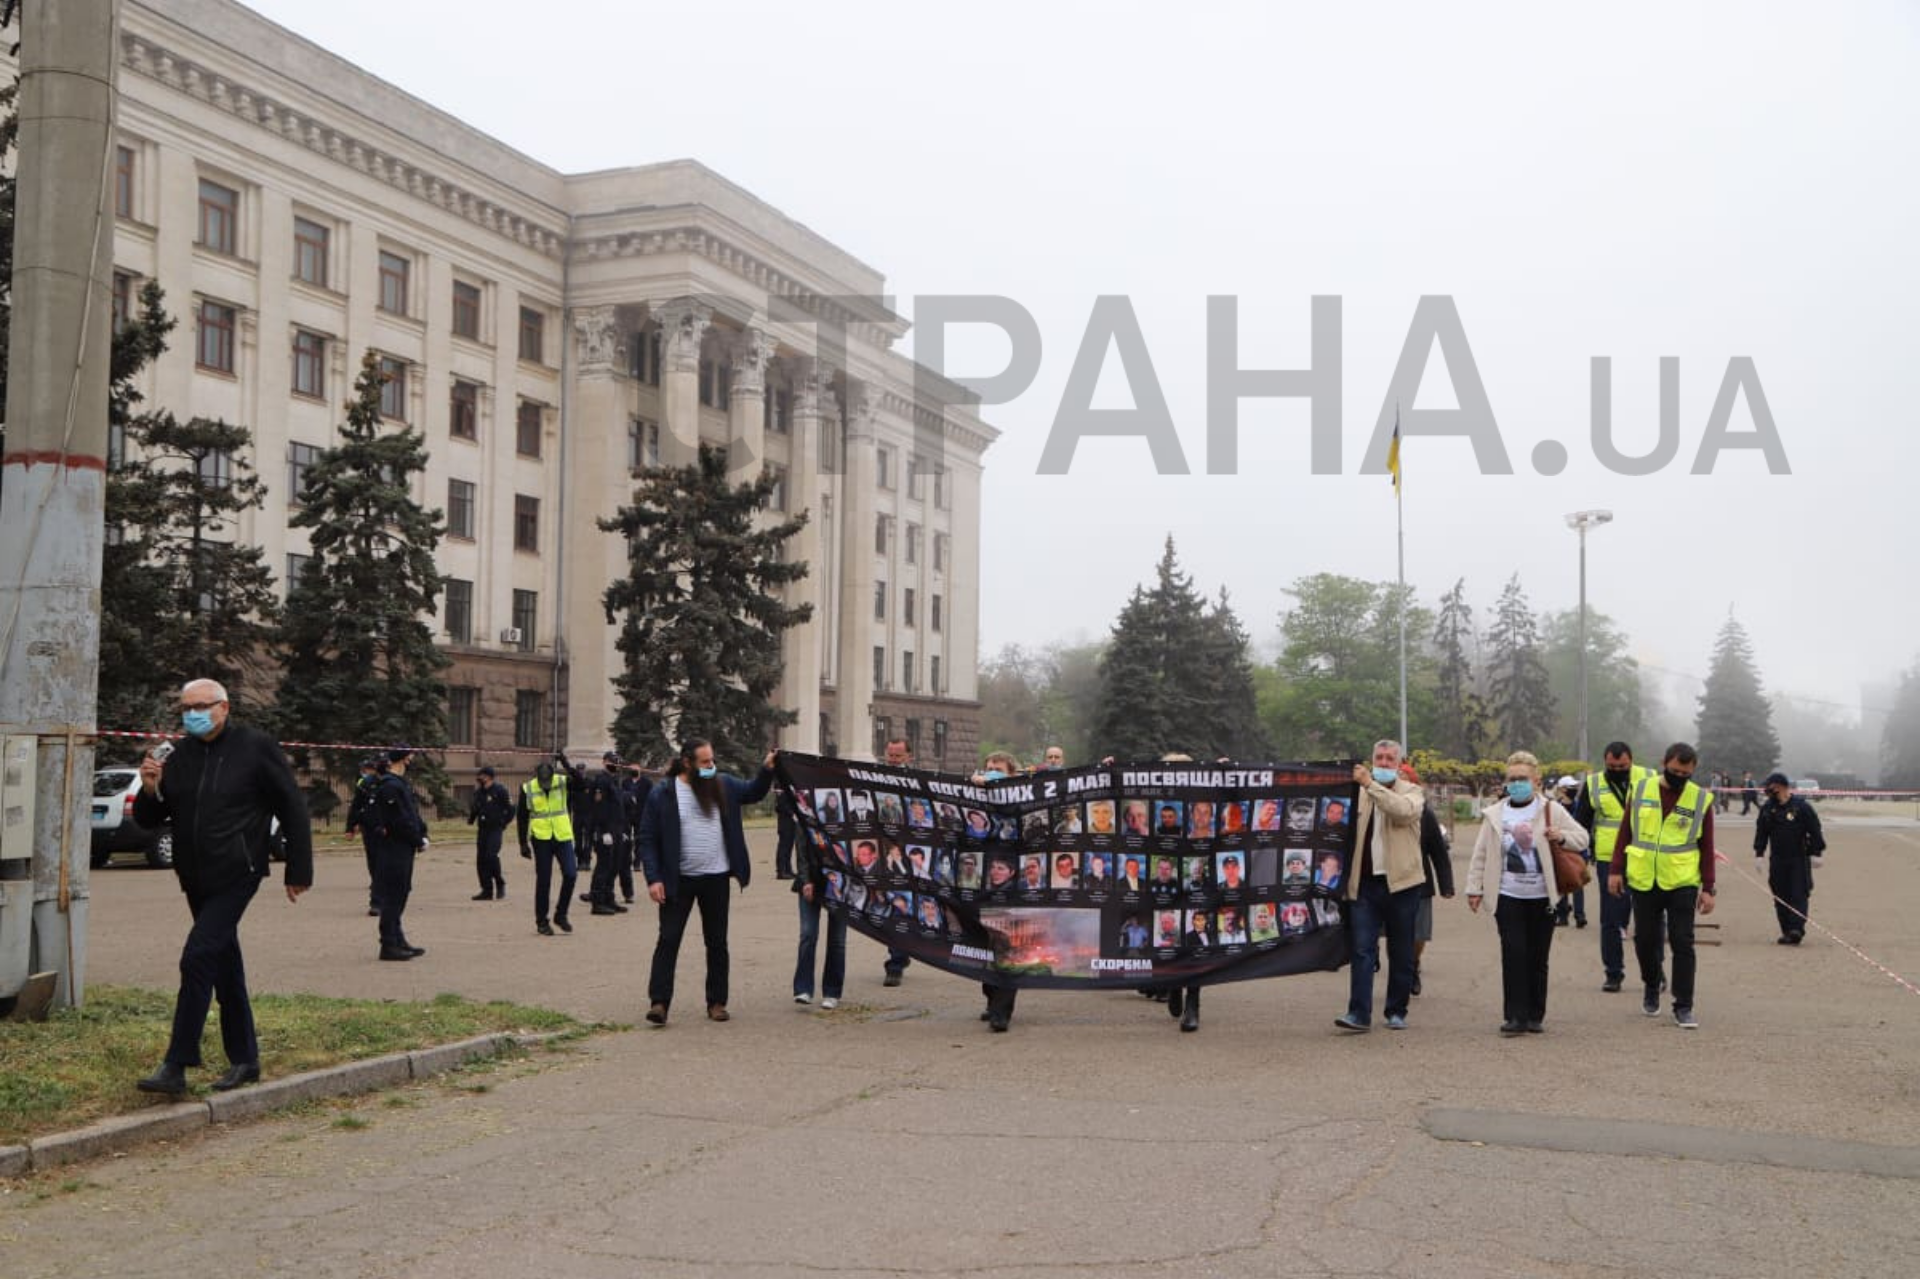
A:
(858, 630)
(746, 416)
(683, 327)
(814, 410)
(595, 485)
(962, 623)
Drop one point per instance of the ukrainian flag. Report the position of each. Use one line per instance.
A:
(1393, 454)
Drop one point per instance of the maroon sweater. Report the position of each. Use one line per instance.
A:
(1667, 801)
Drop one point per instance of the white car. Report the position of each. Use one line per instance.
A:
(1808, 786)
(114, 830)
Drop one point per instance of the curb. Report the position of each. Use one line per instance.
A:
(180, 1119)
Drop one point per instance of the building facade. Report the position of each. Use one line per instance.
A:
(549, 334)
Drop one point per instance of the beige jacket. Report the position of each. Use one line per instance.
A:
(1399, 807)
(1486, 847)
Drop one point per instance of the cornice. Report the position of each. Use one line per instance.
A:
(145, 56)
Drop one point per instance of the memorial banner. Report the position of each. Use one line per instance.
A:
(1124, 875)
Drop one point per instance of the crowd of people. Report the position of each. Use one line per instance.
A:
(1648, 835)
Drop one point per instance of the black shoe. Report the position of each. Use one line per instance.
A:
(169, 1081)
(543, 928)
(783, 874)
(997, 1020)
(617, 908)
(1190, 1021)
(1581, 922)
(562, 925)
(627, 900)
(1536, 1028)
(415, 951)
(986, 1014)
(1416, 980)
(395, 953)
(482, 896)
(1613, 984)
(1511, 1028)
(587, 898)
(1176, 1001)
(893, 979)
(245, 1072)
(500, 891)
(600, 909)
(372, 911)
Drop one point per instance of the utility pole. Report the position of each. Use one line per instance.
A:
(1580, 522)
(53, 488)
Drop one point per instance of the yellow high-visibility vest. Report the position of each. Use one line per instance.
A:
(548, 808)
(1665, 851)
(1609, 809)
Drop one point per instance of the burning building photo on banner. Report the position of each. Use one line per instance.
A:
(1063, 943)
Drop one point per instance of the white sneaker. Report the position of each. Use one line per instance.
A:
(829, 1002)
(803, 999)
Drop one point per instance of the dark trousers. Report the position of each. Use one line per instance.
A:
(1373, 912)
(606, 870)
(1672, 908)
(373, 872)
(1615, 915)
(1575, 901)
(392, 884)
(624, 873)
(545, 853)
(486, 860)
(897, 961)
(1000, 998)
(1790, 876)
(783, 851)
(210, 968)
(1526, 935)
(712, 894)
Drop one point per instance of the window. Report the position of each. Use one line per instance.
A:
(913, 543)
(879, 601)
(906, 671)
(882, 734)
(116, 446)
(297, 566)
(906, 606)
(533, 335)
(219, 217)
(777, 500)
(215, 347)
(463, 411)
(122, 300)
(525, 605)
(916, 483)
(880, 534)
(942, 494)
(529, 708)
(939, 552)
(310, 243)
(879, 668)
(939, 739)
(309, 364)
(458, 609)
(829, 744)
(933, 615)
(526, 435)
(216, 468)
(643, 444)
(526, 523)
(394, 271)
(123, 182)
(460, 704)
(883, 466)
(933, 675)
(300, 460)
(393, 389)
(716, 379)
(460, 509)
(466, 310)
(912, 735)
(779, 410)
(643, 357)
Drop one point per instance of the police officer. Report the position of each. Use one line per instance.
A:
(396, 832)
(489, 811)
(1789, 829)
(546, 835)
(604, 828)
(356, 823)
(1600, 808)
(634, 789)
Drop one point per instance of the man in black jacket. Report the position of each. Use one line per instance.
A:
(356, 812)
(397, 832)
(490, 812)
(1789, 829)
(220, 789)
(605, 829)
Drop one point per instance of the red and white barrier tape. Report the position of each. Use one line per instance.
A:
(341, 746)
(1811, 922)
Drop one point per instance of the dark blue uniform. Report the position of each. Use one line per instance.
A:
(605, 828)
(357, 825)
(490, 812)
(1790, 831)
(395, 832)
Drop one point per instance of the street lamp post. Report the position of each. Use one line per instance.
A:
(1580, 522)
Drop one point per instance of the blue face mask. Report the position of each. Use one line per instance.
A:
(709, 771)
(199, 723)
(1385, 776)
(993, 774)
(1521, 790)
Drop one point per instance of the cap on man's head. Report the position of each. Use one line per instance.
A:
(399, 753)
(370, 761)
(485, 770)
(1778, 779)
(610, 757)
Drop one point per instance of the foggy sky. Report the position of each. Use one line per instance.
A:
(1634, 181)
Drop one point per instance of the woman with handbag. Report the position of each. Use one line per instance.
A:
(1519, 846)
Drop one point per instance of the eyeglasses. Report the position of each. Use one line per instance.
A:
(203, 706)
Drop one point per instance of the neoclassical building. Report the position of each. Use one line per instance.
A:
(549, 334)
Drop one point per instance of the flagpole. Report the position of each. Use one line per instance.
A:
(1400, 531)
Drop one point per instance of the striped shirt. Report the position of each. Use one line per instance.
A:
(703, 842)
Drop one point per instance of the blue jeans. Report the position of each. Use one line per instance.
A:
(835, 975)
(1373, 912)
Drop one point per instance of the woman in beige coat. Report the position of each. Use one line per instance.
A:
(1512, 857)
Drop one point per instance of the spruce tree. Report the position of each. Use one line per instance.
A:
(1155, 695)
(358, 643)
(700, 614)
(1734, 732)
(1231, 724)
(1900, 742)
(1522, 697)
(1459, 712)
